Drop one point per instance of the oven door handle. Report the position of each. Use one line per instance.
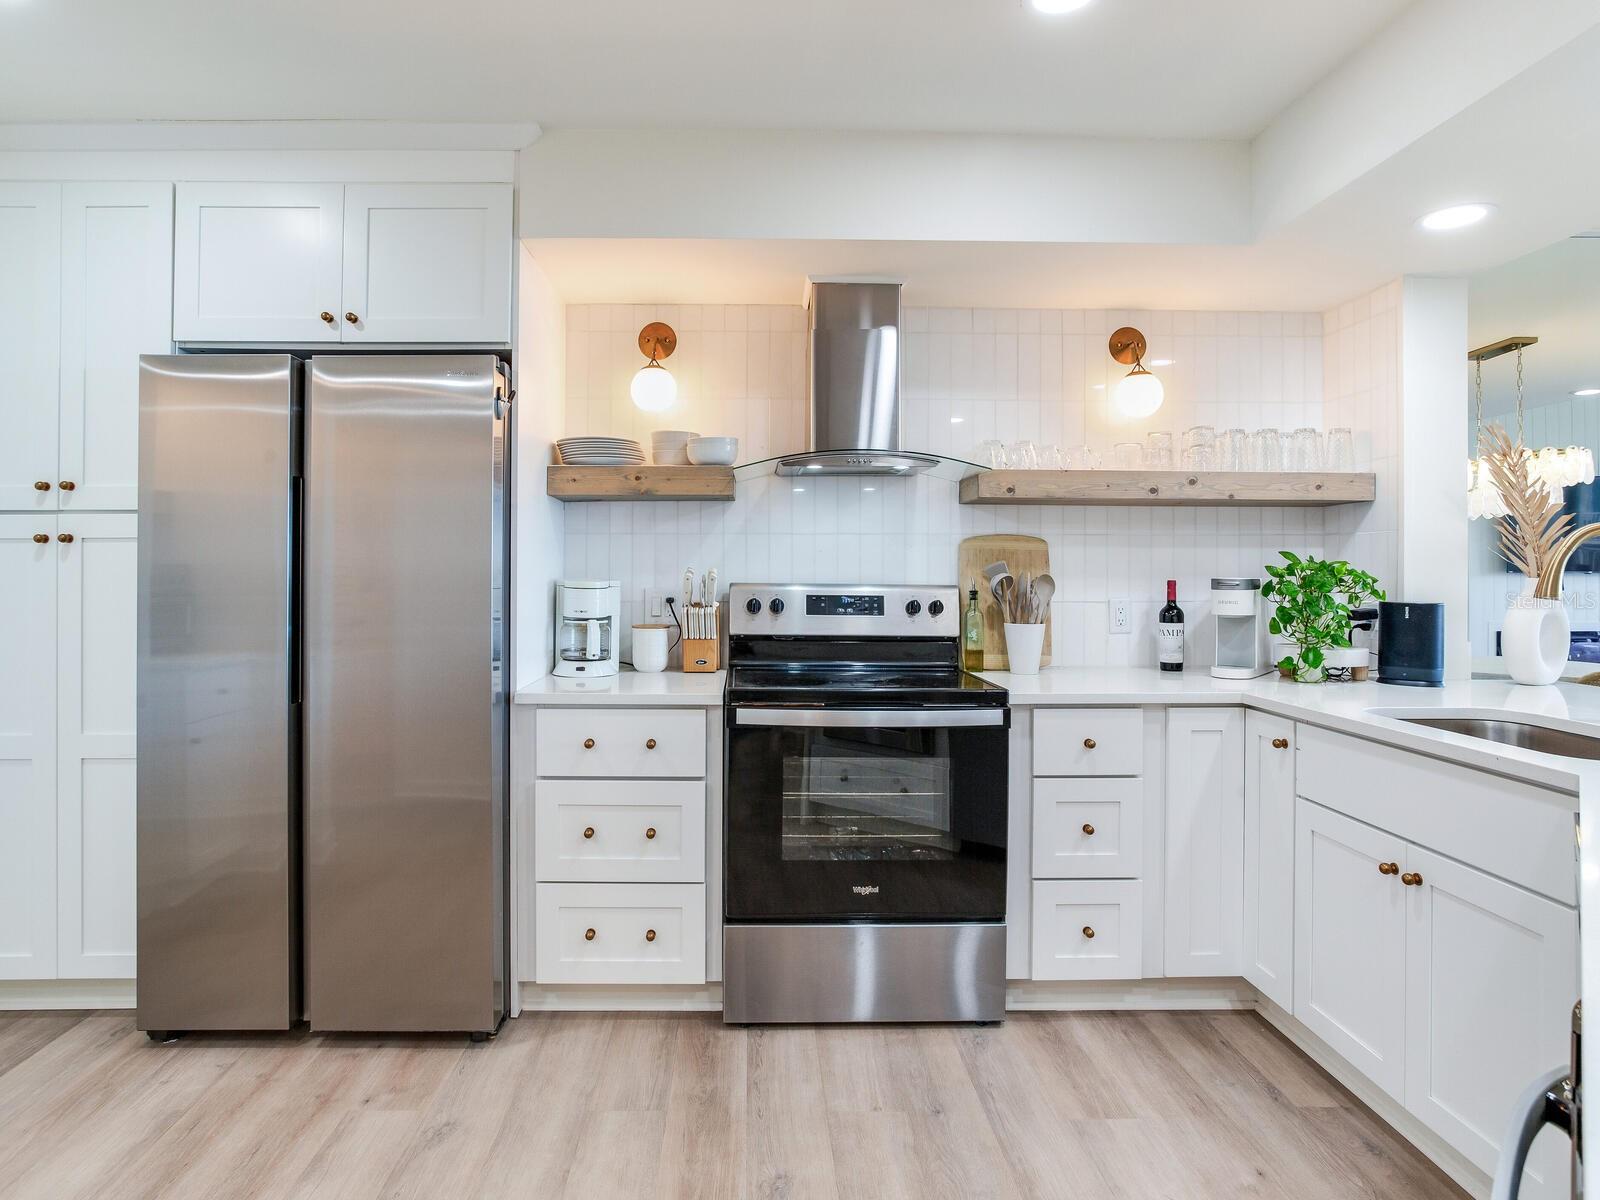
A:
(870, 718)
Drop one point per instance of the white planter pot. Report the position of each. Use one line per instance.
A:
(1024, 646)
(1535, 639)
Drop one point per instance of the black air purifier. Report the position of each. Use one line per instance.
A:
(1411, 643)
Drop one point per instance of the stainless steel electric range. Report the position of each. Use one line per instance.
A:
(865, 809)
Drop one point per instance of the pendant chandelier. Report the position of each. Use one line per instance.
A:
(1555, 467)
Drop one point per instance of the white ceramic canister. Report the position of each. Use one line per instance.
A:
(650, 648)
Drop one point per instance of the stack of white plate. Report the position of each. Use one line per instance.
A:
(600, 452)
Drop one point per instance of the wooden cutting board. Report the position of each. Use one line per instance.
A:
(1020, 553)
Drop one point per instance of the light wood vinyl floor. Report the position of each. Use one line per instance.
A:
(1189, 1106)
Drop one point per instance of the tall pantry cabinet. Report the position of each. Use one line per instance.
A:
(87, 289)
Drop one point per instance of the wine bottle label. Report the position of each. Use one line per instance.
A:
(1169, 643)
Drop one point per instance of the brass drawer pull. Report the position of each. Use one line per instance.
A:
(588, 743)
(1411, 879)
(1088, 829)
(68, 486)
(1088, 743)
(63, 537)
(588, 935)
(1280, 743)
(588, 831)
(650, 744)
(649, 935)
(326, 316)
(649, 834)
(1088, 931)
(1388, 868)
(351, 317)
(39, 485)
(41, 538)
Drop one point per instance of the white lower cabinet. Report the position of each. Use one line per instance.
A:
(1205, 841)
(1087, 828)
(608, 830)
(1087, 929)
(619, 933)
(1268, 949)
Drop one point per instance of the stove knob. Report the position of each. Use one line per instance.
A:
(752, 606)
(913, 607)
(775, 606)
(935, 607)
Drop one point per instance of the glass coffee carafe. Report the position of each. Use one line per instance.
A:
(585, 639)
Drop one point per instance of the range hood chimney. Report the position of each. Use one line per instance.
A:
(853, 384)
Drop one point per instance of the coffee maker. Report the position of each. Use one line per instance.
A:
(1241, 619)
(588, 625)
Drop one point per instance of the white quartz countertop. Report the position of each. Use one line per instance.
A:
(629, 688)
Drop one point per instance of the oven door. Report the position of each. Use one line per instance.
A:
(869, 815)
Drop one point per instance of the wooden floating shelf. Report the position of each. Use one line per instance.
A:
(1220, 488)
(639, 483)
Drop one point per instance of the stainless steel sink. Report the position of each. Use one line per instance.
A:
(1542, 738)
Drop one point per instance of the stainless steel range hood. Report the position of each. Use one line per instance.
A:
(853, 384)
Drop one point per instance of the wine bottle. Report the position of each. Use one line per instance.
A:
(1169, 631)
(972, 634)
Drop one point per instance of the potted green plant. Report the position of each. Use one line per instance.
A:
(1312, 599)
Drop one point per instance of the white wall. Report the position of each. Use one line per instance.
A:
(537, 520)
(1005, 373)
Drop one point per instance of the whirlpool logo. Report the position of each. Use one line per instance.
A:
(865, 889)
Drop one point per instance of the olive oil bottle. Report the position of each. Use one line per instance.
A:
(972, 634)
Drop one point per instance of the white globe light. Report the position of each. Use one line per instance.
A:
(1138, 395)
(654, 389)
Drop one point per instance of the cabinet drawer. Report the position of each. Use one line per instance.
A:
(1087, 828)
(666, 743)
(620, 933)
(607, 830)
(1087, 929)
(1088, 741)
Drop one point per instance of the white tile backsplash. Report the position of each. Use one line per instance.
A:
(967, 375)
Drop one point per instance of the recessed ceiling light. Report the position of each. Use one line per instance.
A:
(1457, 216)
(1057, 7)
(1587, 392)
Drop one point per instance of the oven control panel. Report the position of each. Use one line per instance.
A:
(841, 610)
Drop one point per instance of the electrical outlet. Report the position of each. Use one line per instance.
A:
(655, 604)
(1119, 616)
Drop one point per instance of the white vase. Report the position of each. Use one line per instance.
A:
(1535, 639)
(1024, 646)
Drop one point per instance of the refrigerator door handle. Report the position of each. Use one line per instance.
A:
(1547, 1101)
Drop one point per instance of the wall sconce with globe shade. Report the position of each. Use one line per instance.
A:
(1140, 393)
(653, 388)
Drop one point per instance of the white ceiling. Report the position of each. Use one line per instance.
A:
(1124, 68)
(1552, 294)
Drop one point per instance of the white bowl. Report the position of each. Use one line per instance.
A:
(669, 447)
(713, 451)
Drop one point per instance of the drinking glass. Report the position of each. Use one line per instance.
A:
(1305, 450)
(1341, 450)
(1052, 458)
(1158, 451)
(992, 453)
(1127, 456)
(1199, 448)
(1269, 449)
(1233, 451)
(1024, 456)
(1082, 458)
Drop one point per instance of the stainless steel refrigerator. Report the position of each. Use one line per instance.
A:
(322, 721)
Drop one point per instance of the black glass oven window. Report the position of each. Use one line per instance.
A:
(861, 796)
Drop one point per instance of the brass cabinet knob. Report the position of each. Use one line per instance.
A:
(41, 485)
(63, 537)
(588, 935)
(588, 743)
(1280, 743)
(1388, 868)
(1088, 829)
(1088, 931)
(588, 831)
(1411, 879)
(1088, 743)
(649, 935)
(326, 316)
(351, 317)
(41, 538)
(650, 744)
(650, 834)
(68, 486)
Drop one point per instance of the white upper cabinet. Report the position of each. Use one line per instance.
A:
(427, 262)
(30, 339)
(1205, 841)
(28, 549)
(258, 262)
(116, 304)
(297, 262)
(1269, 856)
